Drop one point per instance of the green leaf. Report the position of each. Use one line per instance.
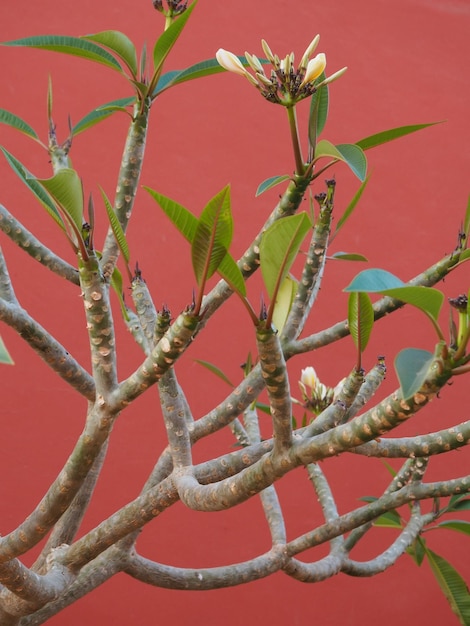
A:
(66, 189)
(463, 256)
(116, 227)
(271, 182)
(352, 205)
(213, 236)
(411, 366)
(118, 43)
(318, 114)
(390, 135)
(183, 219)
(215, 370)
(356, 159)
(426, 299)
(284, 299)
(68, 45)
(351, 154)
(167, 40)
(466, 222)
(16, 122)
(33, 185)
(278, 248)
(101, 113)
(187, 223)
(360, 319)
(417, 551)
(458, 503)
(50, 99)
(5, 357)
(116, 284)
(452, 585)
(460, 526)
(391, 519)
(374, 281)
(231, 273)
(348, 256)
(198, 70)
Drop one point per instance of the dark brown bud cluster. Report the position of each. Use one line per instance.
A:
(459, 303)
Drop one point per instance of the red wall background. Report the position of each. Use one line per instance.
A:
(408, 63)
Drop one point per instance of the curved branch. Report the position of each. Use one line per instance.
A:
(32, 246)
(48, 348)
(390, 556)
(205, 578)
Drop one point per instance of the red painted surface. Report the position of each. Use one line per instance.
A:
(408, 63)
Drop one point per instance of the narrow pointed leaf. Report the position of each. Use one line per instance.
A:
(318, 114)
(459, 503)
(116, 227)
(278, 248)
(466, 223)
(460, 526)
(390, 135)
(206, 254)
(348, 256)
(198, 70)
(118, 43)
(187, 223)
(10, 119)
(167, 40)
(65, 187)
(360, 319)
(5, 357)
(183, 219)
(411, 366)
(391, 519)
(284, 299)
(215, 370)
(33, 185)
(213, 236)
(231, 273)
(453, 586)
(101, 113)
(143, 61)
(350, 208)
(271, 182)
(68, 45)
(50, 99)
(418, 551)
(116, 284)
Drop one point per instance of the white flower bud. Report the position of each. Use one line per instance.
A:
(230, 62)
(309, 377)
(309, 51)
(314, 68)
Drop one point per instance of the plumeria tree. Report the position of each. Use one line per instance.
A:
(309, 422)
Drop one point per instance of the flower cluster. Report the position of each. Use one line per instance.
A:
(315, 395)
(286, 84)
(175, 7)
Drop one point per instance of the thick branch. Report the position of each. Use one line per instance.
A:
(32, 246)
(48, 348)
(128, 181)
(310, 281)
